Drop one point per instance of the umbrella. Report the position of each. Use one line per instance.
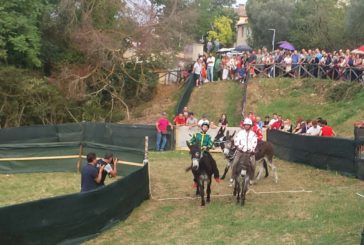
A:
(286, 45)
(361, 48)
(242, 48)
(357, 51)
(224, 50)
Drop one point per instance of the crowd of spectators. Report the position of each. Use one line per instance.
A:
(316, 127)
(318, 63)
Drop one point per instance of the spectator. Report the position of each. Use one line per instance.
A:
(179, 120)
(162, 128)
(274, 119)
(277, 124)
(223, 121)
(197, 67)
(191, 120)
(326, 130)
(217, 44)
(315, 129)
(287, 126)
(210, 68)
(203, 120)
(91, 176)
(185, 112)
(209, 46)
(110, 167)
(266, 121)
(298, 125)
(260, 122)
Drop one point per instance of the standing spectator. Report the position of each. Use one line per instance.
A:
(210, 67)
(90, 175)
(217, 44)
(185, 112)
(326, 130)
(191, 120)
(179, 120)
(203, 120)
(209, 46)
(197, 67)
(218, 68)
(295, 61)
(162, 128)
(223, 121)
(288, 62)
(203, 73)
(225, 67)
(315, 129)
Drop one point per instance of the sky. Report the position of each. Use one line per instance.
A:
(240, 1)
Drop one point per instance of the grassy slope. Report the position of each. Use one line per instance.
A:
(308, 99)
(216, 98)
(331, 214)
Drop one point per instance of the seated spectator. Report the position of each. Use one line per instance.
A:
(266, 121)
(277, 124)
(213, 125)
(191, 120)
(203, 120)
(273, 120)
(326, 130)
(298, 125)
(180, 120)
(260, 122)
(302, 129)
(223, 122)
(287, 126)
(314, 130)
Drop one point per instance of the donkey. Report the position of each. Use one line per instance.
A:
(203, 166)
(265, 152)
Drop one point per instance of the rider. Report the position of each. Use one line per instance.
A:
(206, 144)
(246, 142)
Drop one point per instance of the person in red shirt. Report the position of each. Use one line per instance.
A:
(179, 120)
(256, 129)
(326, 131)
(278, 124)
(162, 129)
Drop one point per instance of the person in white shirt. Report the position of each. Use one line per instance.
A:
(210, 67)
(246, 142)
(197, 67)
(273, 120)
(203, 120)
(314, 130)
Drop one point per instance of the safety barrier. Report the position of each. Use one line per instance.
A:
(70, 219)
(328, 153)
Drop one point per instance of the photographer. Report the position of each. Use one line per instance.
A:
(108, 163)
(91, 176)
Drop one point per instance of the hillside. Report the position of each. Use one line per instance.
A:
(213, 99)
(340, 103)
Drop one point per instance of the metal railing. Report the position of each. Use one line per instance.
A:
(309, 70)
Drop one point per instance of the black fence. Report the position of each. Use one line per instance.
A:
(186, 94)
(334, 154)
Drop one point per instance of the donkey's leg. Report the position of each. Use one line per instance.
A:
(237, 189)
(274, 169)
(225, 171)
(265, 165)
(260, 172)
(208, 191)
(244, 188)
(202, 192)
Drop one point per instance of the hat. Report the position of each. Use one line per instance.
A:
(248, 121)
(205, 123)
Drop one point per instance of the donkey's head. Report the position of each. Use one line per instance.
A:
(220, 138)
(195, 152)
(229, 144)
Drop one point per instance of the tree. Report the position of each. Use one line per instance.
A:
(354, 23)
(318, 23)
(222, 30)
(20, 37)
(269, 14)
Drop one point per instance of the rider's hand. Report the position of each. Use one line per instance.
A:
(217, 180)
(204, 148)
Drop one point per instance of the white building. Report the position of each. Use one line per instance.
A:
(242, 27)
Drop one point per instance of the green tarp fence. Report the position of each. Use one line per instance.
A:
(335, 154)
(74, 218)
(124, 135)
(185, 97)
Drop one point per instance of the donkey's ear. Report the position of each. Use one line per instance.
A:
(223, 130)
(227, 134)
(233, 134)
(188, 144)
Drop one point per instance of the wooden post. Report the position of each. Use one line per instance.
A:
(146, 161)
(79, 159)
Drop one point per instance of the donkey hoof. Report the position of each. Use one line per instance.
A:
(208, 200)
(202, 204)
(243, 202)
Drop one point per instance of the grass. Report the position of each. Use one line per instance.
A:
(308, 99)
(331, 214)
(214, 99)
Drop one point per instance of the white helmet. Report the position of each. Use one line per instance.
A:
(248, 121)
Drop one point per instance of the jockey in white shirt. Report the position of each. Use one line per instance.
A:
(245, 141)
